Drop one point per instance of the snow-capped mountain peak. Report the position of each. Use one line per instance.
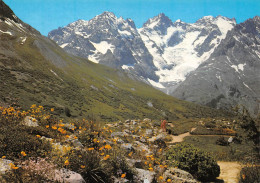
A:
(181, 47)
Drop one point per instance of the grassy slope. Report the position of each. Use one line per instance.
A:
(86, 88)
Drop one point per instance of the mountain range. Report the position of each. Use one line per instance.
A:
(165, 54)
(35, 70)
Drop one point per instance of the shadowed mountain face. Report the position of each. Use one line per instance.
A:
(35, 70)
(230, 76)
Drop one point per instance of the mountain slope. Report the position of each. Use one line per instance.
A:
(179, 48)
(34, 69)
(230, 76)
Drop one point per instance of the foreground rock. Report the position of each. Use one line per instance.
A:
(178, 176)
(5, 165)
(68, 176)
(30, 121)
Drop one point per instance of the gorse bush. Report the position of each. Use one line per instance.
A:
(200, 164)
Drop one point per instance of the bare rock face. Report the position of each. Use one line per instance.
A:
(178, 176)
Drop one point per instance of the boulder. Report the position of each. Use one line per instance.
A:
(145, 175)
(67, 176)
(118, 134)
(4, 165)
(128, 147)
(149, 132)
(178, 176)
(30, 121)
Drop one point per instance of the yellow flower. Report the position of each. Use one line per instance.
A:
(3, 157)
(108, 147)
(106, 157)
(91, 148)
(75, 137)
(102, 154)
(169, 180)
(123, 175)
(151, 169)
(161, 178)
(54, 127)
(161, 166)
(66, 163)
(243, 176)
(150, 165)
(145, 163)
(23, 153)
(13, 166)
(47, 126)
(82, 166)
(95, 140)
(130, 154)
(52, 109)
(38, 136)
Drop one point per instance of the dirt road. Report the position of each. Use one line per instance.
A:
(229, 171)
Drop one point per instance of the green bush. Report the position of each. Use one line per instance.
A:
(197, 162)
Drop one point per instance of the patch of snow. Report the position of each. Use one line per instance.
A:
(103, 47)
(127, 67)
(234, 67)
(7, 32)
(64, 45)
(238, 67)
(156, 84)
(125, 33)
(224, 25)
(219, 78)
(23, 39)
(241, 66)
(247, 86)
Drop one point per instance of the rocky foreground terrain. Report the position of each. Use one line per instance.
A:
(43, 147)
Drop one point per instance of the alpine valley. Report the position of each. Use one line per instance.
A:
(92, 103)
(169, 55)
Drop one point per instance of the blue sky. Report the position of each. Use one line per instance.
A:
(46, 15)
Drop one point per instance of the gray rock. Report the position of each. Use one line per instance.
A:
(118, 134)
(149, 132)
(5, 165)
(178, 176)
(145, 175)
(30, 121)
(127, 147)
(65, 175)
